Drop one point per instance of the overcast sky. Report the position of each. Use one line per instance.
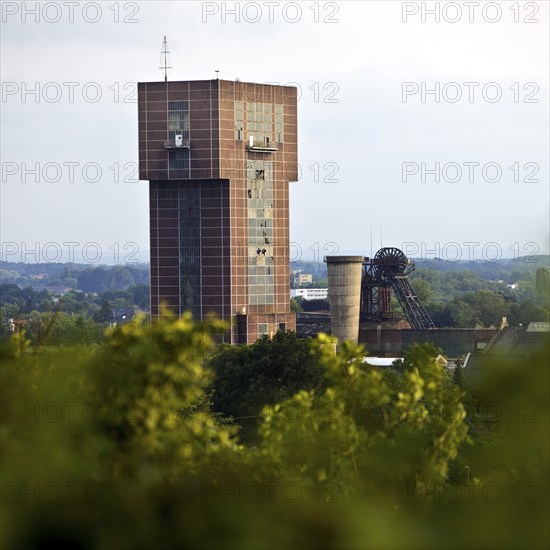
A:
(369, 139)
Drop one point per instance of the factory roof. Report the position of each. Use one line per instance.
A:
(518, 340)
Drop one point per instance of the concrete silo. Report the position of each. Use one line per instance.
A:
(344, 290)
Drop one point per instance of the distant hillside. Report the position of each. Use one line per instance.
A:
(85, 277)
(501, 269)
(99, 278)
(507, 270)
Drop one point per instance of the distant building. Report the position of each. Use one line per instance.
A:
(510, 342)
(299, 278)
(310, 293)
(510, 349)
(310, 324)
(219, 156)
(393, 342)
(121, 315)
(381, 361)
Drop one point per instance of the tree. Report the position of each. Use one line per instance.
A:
(527, 312)
(113, 446)
(295, 305)
(92, 280)
(106, 312)
(461, 314)
(440, 314)
(74, 302)
(269, 371)
(141, 296)
(458, 376)
(120, 278)
(484, 307)
(8, 276)
(422, 289)
(163, 380)
(315, 305)
(492, 306)
(542, 284)
(410, 417)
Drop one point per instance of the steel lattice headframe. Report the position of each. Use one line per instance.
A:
(387, 271)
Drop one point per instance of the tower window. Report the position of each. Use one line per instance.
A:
(178, 159)
(178, 120)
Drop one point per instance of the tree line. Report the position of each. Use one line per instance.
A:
(82, 277)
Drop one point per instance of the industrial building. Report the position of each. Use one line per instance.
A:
(309, 293)
(298, 278)
(361, 288)
(219, 156)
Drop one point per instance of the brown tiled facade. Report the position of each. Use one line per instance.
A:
(219, 156)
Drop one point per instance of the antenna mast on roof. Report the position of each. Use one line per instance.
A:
(371, 241)
(165, 60)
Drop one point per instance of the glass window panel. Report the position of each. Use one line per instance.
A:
(259, 228)
(179, 159)
(178, 119)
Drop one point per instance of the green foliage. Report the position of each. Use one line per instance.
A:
(72, 318)
(422, 289)
(542, 284)
(106, 312)
(100, 279)
(464, 298)
(296, 305)
(322, 283)
(20, 301)
(164, 381)
(265, 373)
(485, 308)
(140, 296)
(116, 416)
(459, 379)
(315, 305)
(113, 446)
(526, 312)
(59, 328)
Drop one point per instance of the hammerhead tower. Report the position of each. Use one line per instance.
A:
(219, 156)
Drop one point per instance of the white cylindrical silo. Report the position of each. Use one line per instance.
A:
(344, 290)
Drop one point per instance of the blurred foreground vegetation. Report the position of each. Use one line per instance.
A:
(133, 443)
